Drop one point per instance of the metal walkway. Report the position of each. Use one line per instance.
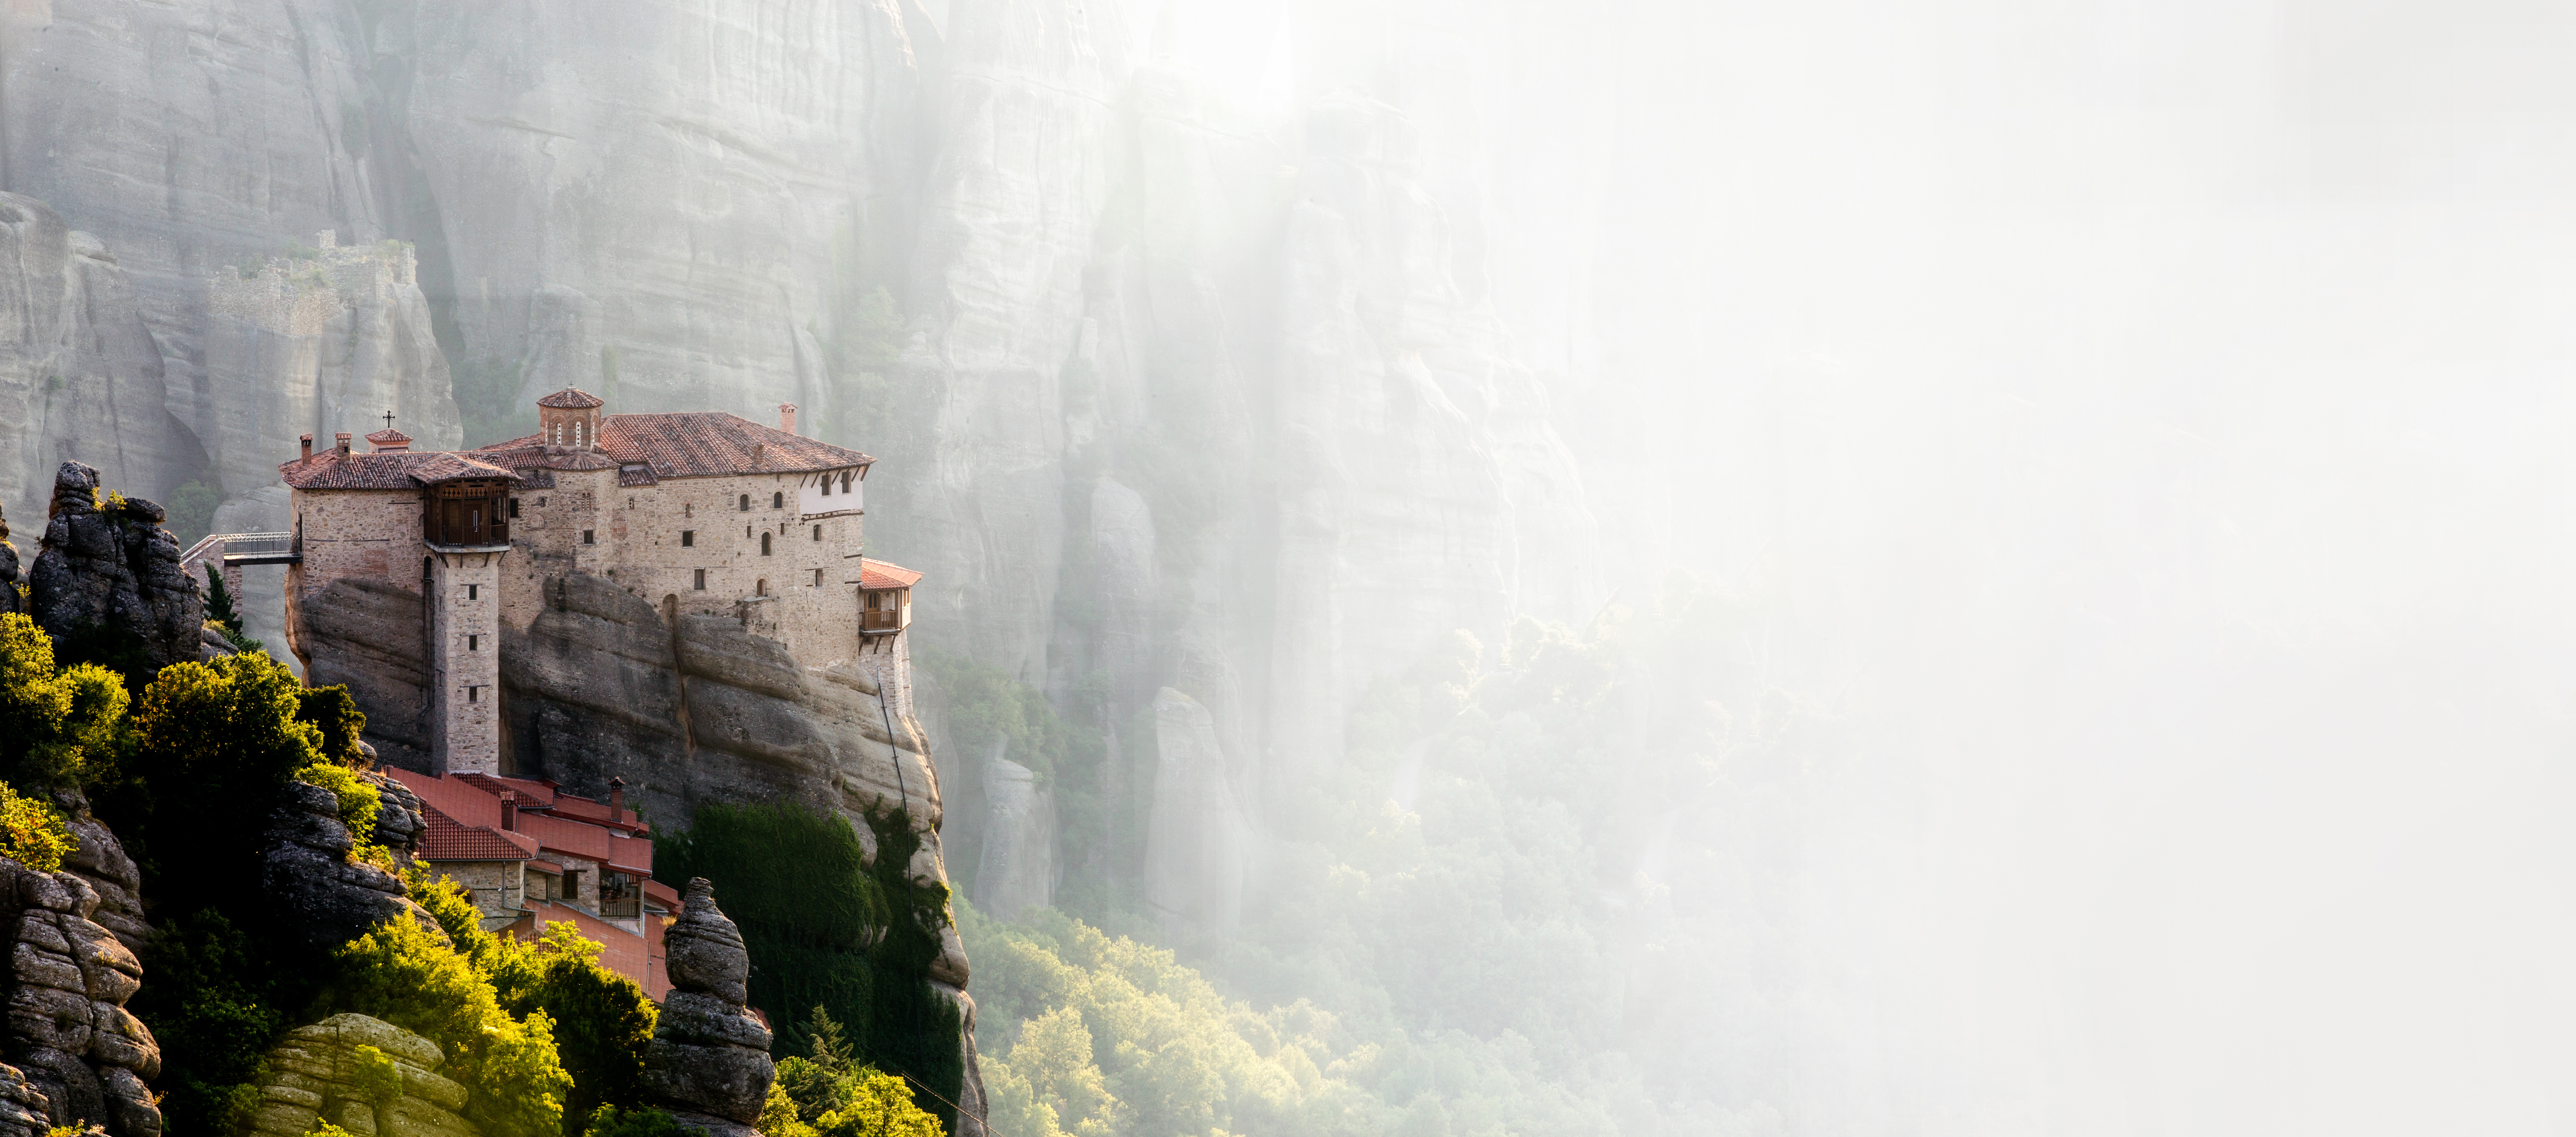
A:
(232, 550)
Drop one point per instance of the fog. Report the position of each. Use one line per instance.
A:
(2150, 415)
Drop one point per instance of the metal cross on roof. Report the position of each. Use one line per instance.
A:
(389, 420)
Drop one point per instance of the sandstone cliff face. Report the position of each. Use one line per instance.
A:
(80, 373)
(324, 340)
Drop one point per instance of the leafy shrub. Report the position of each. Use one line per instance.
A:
(832, 1095)
(610, 1121)
(33, 833)
(603, 1021)
(403, 974)
(58, 726)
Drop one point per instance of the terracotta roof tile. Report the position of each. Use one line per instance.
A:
(399, 470)
(572, 398)
(875, 574)
(450, 840)
(529, 454)
(703, 444)
(389, 437)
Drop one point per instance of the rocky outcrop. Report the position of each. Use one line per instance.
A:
(709, 1058)
(399, 820)
(80, 374)
(315, 890)
(24, 1112)
(1197, 839)
(108, 565)
(1017, 868)
(99, 859)
(10, 600)
(321, 338)
(68, 1030)
(327, 1072)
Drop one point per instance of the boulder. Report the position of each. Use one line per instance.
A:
(314, 1077)
(10, 601)
(708, 1062)
(108, 565)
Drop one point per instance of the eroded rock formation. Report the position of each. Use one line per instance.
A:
(319, 1074)
(10, 600)
(68, 1030)
(709, 1058)
(318, 894)
(24, 1112)
(109, 566)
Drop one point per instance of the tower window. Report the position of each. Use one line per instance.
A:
(541, 501)
(746, 503)
(514, 508)
(818, 578)
(589, 537)
(764, 544)
(818, 532)
(473, 592)
(472, 642)
(702, 580)
(688, 538)
(473, 694)
(686, 509)
(778, 500)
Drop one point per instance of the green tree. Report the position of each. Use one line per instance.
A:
(603, 1021)
(33, 833)
(407, 976)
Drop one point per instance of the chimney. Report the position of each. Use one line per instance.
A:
(510, 810)
(308, 447)
(787, 417)
(342, 441)
(617, 799)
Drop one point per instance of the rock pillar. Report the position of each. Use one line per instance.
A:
(709, 1059)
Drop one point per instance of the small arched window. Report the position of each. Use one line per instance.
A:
(760, 587)
(746, 503)
(818, 532)
(764, 544)
(778, 501)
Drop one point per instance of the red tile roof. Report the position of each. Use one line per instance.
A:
(397, 470)
(447, 840)
(389, 437)
(572, 398)
(530, 454)
(662, 894)
(532, 794)
(876, 574)
(706, 444)
(636, 957)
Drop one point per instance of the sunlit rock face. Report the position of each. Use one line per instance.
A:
(80, 376)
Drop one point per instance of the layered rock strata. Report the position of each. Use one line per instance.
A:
(335, 1071)
(68, 1030)
(100, 859)
(24, 1112)
(10, 600)
(709, 1058)
(312, 886)
(109, 566)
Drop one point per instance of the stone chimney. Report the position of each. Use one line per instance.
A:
(341, 440)
(787, 417)
(308, 446)
(510, 810)
(617, 799)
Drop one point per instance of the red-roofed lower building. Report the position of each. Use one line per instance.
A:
(530, 854)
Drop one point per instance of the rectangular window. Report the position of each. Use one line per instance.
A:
(514, 508)
(818, 532)
(688, 538)
(473, 694)
(818, 578)
(473, 592)
(702, 580)
(587, 539)
(827, 485)
(473, 642)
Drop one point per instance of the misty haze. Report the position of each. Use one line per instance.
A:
(1187, 568)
